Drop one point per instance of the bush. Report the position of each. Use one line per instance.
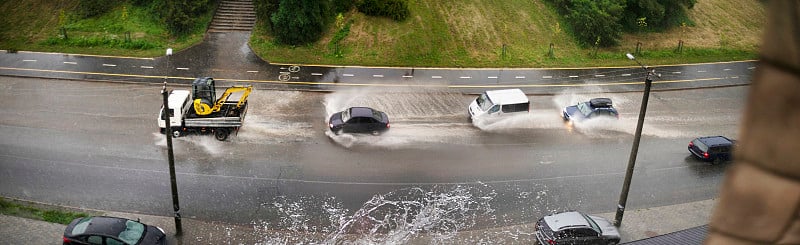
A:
(593, 22)
(300, 21)
(394, 9)
(91, 8)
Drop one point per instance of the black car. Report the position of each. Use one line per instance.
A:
(359, 120)
(575, 228)
(715, 149)
(112, 231)
(597, 107)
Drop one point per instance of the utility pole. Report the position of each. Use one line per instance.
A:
(168, 132)
(623, 196)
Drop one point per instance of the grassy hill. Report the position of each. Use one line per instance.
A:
(439, 33)
(473, 33)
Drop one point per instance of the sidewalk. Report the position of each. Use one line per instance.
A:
(636, 225)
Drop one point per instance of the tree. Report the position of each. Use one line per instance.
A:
(660, 14)
(300, 21)
(594, 22)
(182, 15)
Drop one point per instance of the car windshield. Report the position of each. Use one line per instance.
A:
(346, 115)
(81, 226)
(592, 224)
(377, 115)
(700, 145)
(484, 102)
(132, 233)
(584, 108)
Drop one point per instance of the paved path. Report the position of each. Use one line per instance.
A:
(636, 225)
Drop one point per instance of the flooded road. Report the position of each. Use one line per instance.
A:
(96, 145)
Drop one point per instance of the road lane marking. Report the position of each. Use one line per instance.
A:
(726, 69)
(28, 60)
(626, 75)
(492, 77)
(676, 72)
(146, 67)
(547, 77)
(407, 76)
(599, 75)
(377, 75)
(110, 65)
(520, 77)
(252, 71)
(182, 68)
(453, 86)
(348, 75)
(752, 67)
(70, 62)
(701, 71)
(465, 77)
(316, 74)
(436, 77)
(573, 76)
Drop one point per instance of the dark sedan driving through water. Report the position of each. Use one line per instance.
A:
(359, 120)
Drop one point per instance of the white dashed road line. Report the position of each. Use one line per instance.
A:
(348, 75)
(182, 68)
(407, 76)
(109, 65)
(377, 75)
(70, 62)
(28, 60)
(573, 76)
(491, 77)
(316, 74)
(599, 75)
(701, 71)
(252, 71)
(465, 77)
(146, 67)
(547, 77)
(436, 77)
(626, 75)
(726, 69)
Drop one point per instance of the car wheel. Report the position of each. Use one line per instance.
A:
(717, 161)
(376, 132)
(176, 133)
(221, 134)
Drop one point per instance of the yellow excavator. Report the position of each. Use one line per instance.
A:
(204, 92)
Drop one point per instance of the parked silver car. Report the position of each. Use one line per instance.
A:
(575, 228)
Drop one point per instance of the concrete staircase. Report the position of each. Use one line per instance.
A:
(234, 15)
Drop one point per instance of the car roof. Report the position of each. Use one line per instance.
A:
(565, 220)
(361, 112)
(715, 140)
(110, 226)
(507, 96)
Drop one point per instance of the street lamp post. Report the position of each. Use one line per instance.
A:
(168, 132)
(623, 196)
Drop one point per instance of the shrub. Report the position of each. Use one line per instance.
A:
(91, 8)
(394, 9)
(593, 22)
(300, 21)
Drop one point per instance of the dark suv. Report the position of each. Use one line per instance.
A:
(715, 149)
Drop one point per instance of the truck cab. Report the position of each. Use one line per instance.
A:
(179, 105)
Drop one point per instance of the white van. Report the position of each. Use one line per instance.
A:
(497, 103)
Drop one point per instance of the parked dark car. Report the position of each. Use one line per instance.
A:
(359, 120)
(597, 107)
(112, 231)
(575, 228)
(715, 149)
